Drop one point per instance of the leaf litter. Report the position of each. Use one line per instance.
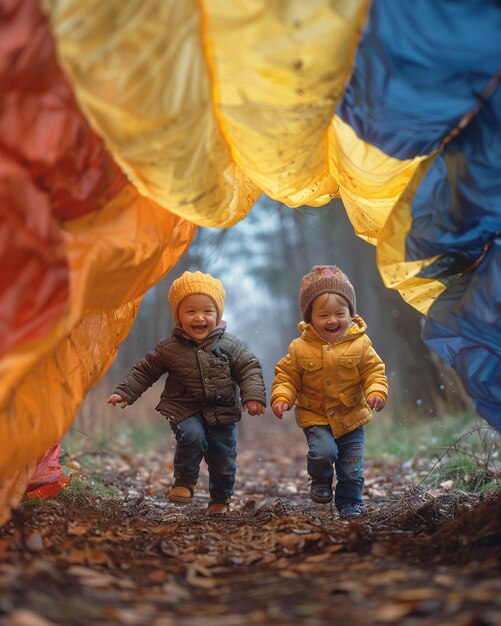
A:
(416, 557)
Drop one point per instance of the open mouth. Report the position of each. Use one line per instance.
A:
(332, 331)
(199, 329)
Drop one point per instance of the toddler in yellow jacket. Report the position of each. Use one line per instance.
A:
(335, 379)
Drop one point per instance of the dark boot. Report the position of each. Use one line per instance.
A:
(321, 490)
(350, 510)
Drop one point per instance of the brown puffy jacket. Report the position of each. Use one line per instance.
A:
(215, 376)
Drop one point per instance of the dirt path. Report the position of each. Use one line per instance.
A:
(415, 558)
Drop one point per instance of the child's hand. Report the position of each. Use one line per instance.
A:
(254, 408)
(376, 402)
(280, 408)
(114, 398)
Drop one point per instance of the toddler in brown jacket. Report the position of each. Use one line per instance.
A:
(211, 377)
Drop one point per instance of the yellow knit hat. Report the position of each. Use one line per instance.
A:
(190, 283)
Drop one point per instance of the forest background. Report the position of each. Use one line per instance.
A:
(261, 261)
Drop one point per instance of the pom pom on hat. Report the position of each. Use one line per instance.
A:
(325, 279)
(190, 283)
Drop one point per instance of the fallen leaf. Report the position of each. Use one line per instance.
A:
(416, 594)
(169, 548)
(174, 592)
(391, 613)
(157, 576)
(194, 580)
(25, 617)
(77, 529)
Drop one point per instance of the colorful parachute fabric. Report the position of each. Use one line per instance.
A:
(126, 124)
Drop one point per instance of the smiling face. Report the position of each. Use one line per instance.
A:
(330, 316)
(197, 315)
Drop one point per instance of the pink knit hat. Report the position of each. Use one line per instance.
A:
(325, 279)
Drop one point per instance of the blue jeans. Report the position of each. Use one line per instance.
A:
(216, 444)
(346, 454)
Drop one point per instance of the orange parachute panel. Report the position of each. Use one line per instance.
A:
(79, 247)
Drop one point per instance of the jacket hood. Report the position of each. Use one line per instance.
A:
(308, 333)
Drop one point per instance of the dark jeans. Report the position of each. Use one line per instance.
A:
(346, 453)
(216, 444)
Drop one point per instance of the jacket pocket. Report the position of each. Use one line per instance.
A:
(307, 402)
(220, 362)
(311, 365)
(349, 360)
(348, 381)
(227, 415)
(226, 396)
(352, 398)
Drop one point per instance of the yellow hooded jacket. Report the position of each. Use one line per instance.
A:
(330, 383)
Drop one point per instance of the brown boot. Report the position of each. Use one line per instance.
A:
(218, 507)
(181, 492)
(321, 490)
